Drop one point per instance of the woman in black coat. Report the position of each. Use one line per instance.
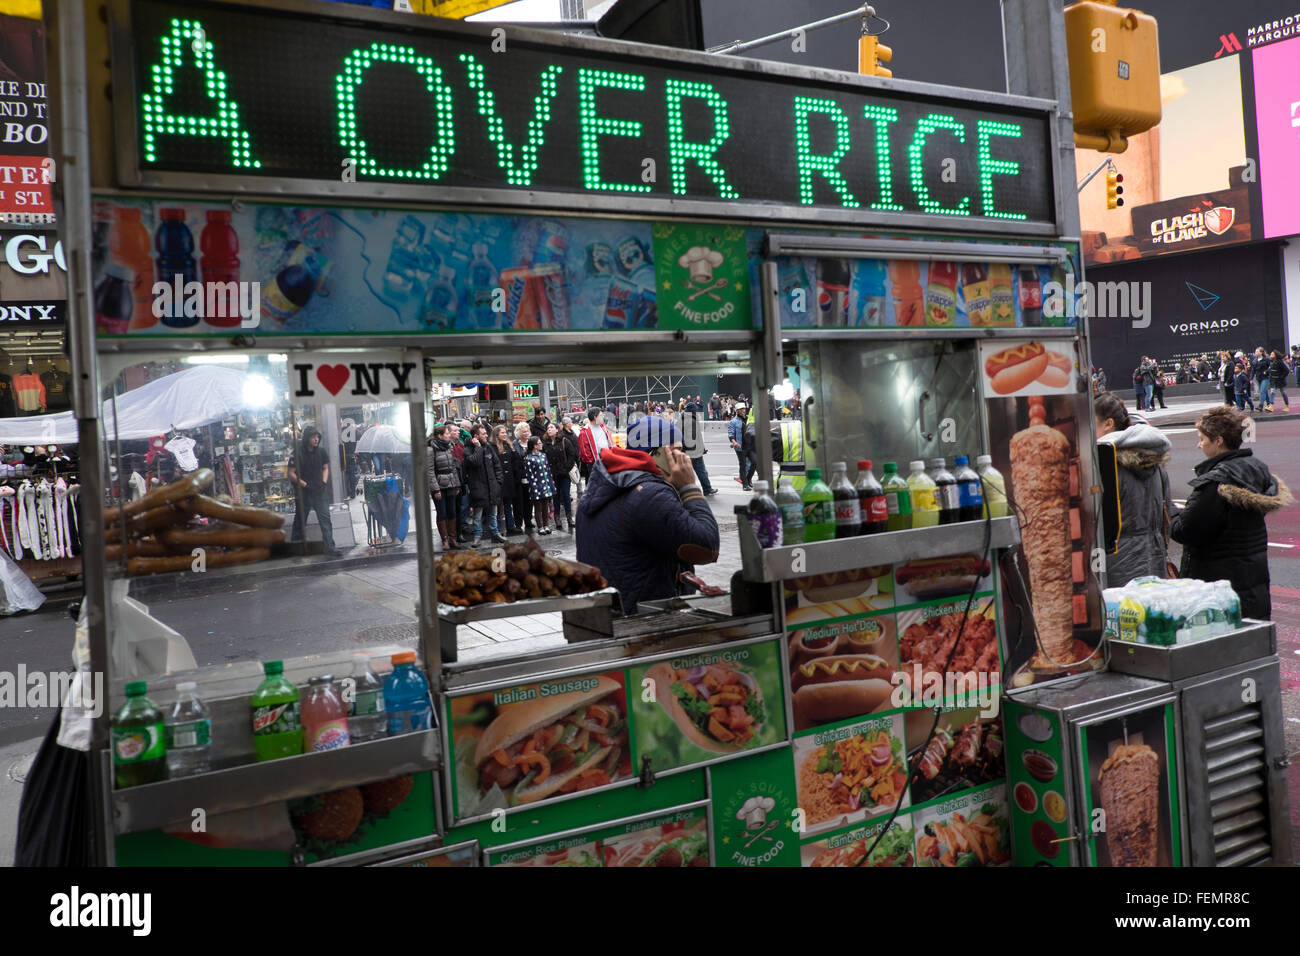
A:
(512, 473)
(1226, 379)
(1277, 373)
(557, 453)
(483, 476)
(1222, 526)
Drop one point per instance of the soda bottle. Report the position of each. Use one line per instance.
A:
(324, 717)
(905, 275)
(139, 741)
(189, 733)
(1031, 296)
(406, 696)
(113, 300)
(366, 717)
(970, 495)
(220, 263)
(483, 283)
(764, 517)
(439, 309)
(818, 508)
(994, 488)
(291, 289)
(946, 492)
(848, 511)
(925, 503)
(941, 295)
(791, 505)
(277, 716)
(175, 246)
(833, 292)
(128, 242)
(1001, 298)
(871, 500)
(898, 499)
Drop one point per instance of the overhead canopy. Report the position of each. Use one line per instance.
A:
(188, 399)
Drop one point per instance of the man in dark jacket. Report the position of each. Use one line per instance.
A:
(537, 424)
(1222, 526)
(483, 476)
(644, 520)
(309, 472)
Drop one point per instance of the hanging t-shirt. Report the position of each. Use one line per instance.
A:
(31, 392)
(183, 449)
(58, 391)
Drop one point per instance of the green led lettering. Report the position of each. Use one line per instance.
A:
(679, 150)
(593, 126)
(915, 155)
(881, 117)
(345, 86)
(824, 163)
(990, 167)
(158, 121)
(522, 173)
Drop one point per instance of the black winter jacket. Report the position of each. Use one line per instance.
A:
(1277, 373)
(483, 475)
(634, 527)
(556, 455)
(1222, 527)
(512, 471)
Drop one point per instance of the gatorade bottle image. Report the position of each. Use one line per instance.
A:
(975, 287)
(277, 715)
(128, 243)
(818, 508)
(905, 275)
(871, 499)
(483, 283)
(925, 504)
(1031, 296)
(970, 490)
(139, 744)
(1001, 297)
(113, 300)
(898, 499)
(220, 263)
(848, 510)
(175, 247)
(941, 295)
(946, 492)
(867, 302)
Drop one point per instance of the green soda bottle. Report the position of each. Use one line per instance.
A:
(139, 746)
(898, 500)
(277, 716)
(818, 508)
(925, 506)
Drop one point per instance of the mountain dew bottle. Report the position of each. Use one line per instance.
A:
(277, 717)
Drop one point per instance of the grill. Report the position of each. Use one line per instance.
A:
(1237, 780)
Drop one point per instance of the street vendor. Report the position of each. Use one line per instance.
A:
(644, 519)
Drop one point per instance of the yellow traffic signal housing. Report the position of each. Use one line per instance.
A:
(870, 52)
(1114, 190)
(1114, 73)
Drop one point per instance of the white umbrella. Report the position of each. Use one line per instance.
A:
(382, 440)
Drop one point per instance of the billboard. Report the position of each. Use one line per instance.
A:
(1277, 116)
(1187, 185)
(25, 171)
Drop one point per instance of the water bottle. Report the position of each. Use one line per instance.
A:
(189, 733)
(366, 717)
(406, 696)
(791, 505)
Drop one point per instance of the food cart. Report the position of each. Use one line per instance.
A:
(573, 206)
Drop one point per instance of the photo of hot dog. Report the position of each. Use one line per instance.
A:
(562, 743)
(1012, 369)
(940, 577)
(839, 687)
(1058, 372)
(718, 707)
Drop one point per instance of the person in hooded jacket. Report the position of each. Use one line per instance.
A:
(444, 471)
(1222, 526)
(1141, 454)
(309, 471)
(644, 520)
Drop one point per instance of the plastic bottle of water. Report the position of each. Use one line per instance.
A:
(366, 717)
(406, 696)
(189, 733)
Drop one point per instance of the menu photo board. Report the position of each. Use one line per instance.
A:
(520, 746)
(675, 838)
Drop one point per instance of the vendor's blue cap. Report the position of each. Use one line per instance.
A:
(652, 432)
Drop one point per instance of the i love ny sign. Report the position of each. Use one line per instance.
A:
(355, 378)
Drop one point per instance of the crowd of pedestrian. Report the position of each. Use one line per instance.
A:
(1254, 381)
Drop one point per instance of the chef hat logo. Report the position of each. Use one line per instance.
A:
(754, 812)
(700, 261)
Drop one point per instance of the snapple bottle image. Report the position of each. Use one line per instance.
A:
(941, 295)
(975, 286)
(1001, 298)
(220, 263)
(905, 274)
(128, 242)
(174, 244)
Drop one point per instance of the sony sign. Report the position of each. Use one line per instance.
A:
(28, 255)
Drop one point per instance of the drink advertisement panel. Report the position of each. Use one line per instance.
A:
(1277, 117)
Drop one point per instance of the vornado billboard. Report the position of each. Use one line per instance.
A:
(1184, 307)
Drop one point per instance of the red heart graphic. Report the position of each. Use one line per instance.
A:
(334, 377)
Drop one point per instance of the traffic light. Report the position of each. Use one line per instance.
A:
(871, 52)
(1114, 191)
